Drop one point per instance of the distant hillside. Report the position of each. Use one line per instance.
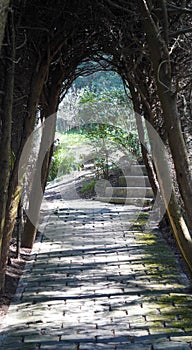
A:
(99, 80)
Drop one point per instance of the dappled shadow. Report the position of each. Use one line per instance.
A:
(93, 282)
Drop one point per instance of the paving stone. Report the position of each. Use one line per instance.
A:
(139, 346)
(9, 342)
(59, 346)
(97, 346)
(21, 346)
(38, 338)
(186, 337)
(171, 345)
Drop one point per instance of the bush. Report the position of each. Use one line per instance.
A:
(88, 188)
(62, 163)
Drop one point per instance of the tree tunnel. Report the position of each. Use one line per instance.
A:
(47, 47)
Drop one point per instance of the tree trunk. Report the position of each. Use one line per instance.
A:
(16, 178)
(176, 219)
(159, 54)
(5, 140)
(38, 77)
(178, 150)
(20, 226)
(4, 4)
(49, 107)
(173, 211)
(162, 171)
(145, 154)
(39, 181)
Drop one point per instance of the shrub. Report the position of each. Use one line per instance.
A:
(63, 162)
(88, 188)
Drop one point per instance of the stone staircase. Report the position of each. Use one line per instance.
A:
(133, 189)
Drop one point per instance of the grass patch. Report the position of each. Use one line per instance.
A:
(88, 188)
(68, 154)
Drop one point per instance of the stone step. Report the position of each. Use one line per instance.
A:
(139, 202)
(130, 192)
(131, 181)
(137, 169)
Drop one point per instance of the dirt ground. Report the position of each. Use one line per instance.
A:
(14, 271)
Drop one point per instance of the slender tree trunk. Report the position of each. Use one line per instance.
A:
(39, 182)
(43, 162)
(179, 227)
(176, 219)
(173, 211)
(15, 181)
(178, 151)
(168, 97)
(4, 4)
(145, 154)
(5, 140)
(20, 226)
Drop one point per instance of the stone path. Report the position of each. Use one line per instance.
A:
(97, 281)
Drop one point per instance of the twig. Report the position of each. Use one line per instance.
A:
(119, 7)
(180, 31)
(158, 76)
(23, 44)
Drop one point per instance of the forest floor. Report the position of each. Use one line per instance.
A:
(16, 265)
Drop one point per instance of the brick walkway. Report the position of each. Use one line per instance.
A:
(96, 282)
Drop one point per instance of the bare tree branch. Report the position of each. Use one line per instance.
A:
(165, 21)
(180, 31)
(179, 9)
(119, 7)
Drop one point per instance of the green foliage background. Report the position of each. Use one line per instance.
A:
(104, 89)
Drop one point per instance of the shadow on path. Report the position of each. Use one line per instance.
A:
(97, 281)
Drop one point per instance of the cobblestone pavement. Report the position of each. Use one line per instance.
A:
(97, 281)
